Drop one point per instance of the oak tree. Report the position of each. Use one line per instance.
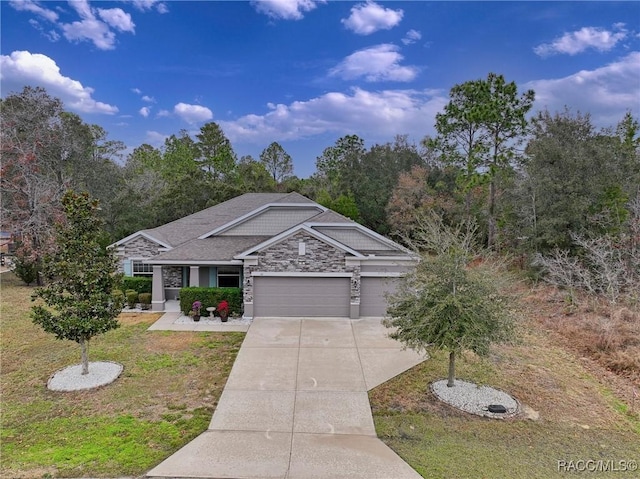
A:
(449, 303)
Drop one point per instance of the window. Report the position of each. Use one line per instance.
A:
(140, 268)
(228, 277)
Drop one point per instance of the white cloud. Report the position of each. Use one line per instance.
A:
(606, 92)
(137, 91)
(148, 99)
(285, 9)
(145, 5)
(34, 7)
(367, 18)
(52, 35)
(24, 68)
(118, 19)
(155, 138)
(587, 37)
(90, 29)
(94, 30)
(163, 114)
(371, 114)
(144, 111)
(377, 63)
(192, 113)
(412, 36)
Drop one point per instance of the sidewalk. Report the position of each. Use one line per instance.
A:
(295, 406)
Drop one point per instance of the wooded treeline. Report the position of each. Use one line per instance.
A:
(530, 183)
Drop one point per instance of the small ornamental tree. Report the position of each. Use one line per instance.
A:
(452, 300)
(80, 276)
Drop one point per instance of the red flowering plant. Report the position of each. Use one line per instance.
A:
(223, 310)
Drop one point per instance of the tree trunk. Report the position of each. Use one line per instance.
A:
(452, 369)
(492, 212)
(85, 357)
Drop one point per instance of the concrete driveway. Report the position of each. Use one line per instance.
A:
(295, 406)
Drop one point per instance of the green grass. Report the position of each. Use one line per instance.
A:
(164, 398)
(580, 418)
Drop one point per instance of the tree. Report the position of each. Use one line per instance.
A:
(277, 162)
(446, 303)
(417, 192)
(479, 131)
(374, 178)
(31, 183)
(215, 153)
(336, 161)
(576, 180)
(251, 176)
(81, 276)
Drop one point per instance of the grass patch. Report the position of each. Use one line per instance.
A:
(164, 398)
(580, 417)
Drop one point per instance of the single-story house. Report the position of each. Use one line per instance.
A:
(290, 255)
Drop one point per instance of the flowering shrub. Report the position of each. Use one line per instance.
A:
(195, 307)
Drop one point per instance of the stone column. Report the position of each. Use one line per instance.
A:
(194, 276)
(157, 293)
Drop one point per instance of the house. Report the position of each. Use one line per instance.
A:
(290, 255)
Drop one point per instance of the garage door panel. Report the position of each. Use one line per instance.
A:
(300, 296)
(373, 291)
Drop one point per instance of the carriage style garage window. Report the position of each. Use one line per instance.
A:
(228, 277)
(140, 268)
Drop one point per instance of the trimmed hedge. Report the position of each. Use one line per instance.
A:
(141, 284)
(211, 297)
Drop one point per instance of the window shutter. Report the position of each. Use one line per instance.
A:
(128, 270)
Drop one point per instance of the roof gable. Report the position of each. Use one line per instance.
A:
(355, 238)
(141, 234)
(204, 221)
(293, 231)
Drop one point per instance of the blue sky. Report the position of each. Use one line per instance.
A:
(306, 72)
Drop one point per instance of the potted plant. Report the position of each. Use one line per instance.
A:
(223, 310)
(195, 310)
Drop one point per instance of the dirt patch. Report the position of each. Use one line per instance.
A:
(138, 318)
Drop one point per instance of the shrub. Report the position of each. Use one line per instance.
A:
(26, 269)
(145, 299)
(132, 298)
(118, 297)
(141, 284)
(210, 297)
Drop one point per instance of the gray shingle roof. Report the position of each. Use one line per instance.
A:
(190, 227)
(217, 248)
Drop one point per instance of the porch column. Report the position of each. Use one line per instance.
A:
(194, 276)
(157, 293)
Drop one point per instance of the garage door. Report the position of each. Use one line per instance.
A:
(299, 296)
(372, 295)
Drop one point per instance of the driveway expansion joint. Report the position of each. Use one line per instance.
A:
(296, 406)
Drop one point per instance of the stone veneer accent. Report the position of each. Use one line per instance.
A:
(139, 247)
(172, 276)
(319, 257)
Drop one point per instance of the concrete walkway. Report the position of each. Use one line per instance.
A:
(295, 406)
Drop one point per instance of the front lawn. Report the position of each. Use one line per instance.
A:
(581, 418)
(164, 398)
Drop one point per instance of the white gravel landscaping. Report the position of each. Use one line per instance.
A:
(211, 320)
(475, 399)
(72, 379)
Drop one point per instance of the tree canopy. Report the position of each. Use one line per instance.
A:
(447, 303)
(80, 277)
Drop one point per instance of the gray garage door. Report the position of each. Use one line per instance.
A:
(276, 296)
(372, 295)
